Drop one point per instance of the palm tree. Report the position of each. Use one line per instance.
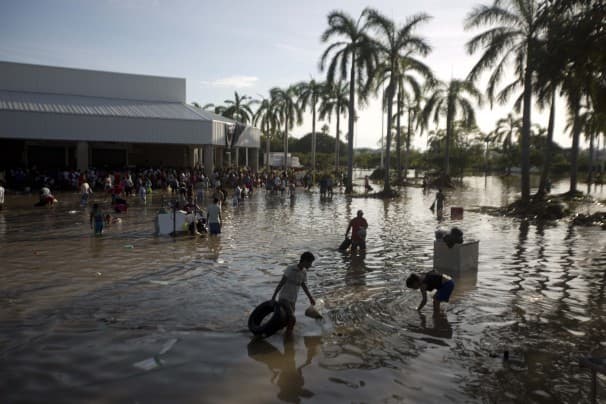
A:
(353, 48)
(266, 116)
(576, 51)
(507, 129)
(395, 49)
(239, 108)
(451, 100)
(288, 112)
(514, 32)
(335, 101)
(310, 93)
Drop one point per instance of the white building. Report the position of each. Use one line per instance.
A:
(61, 117)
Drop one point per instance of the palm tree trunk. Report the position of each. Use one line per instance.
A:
(591, 152)
(548, 146)
(352, 115)
(576, 134)
(285, 143)
(267, 146)
(313, 138)
(525, 135)
(407, 151)
(337, 141)
(449, 119)
(390, 94)
(399, 138)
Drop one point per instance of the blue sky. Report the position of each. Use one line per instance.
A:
(226, 46)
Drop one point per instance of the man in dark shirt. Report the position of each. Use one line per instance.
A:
(432, 280)
(358, 226)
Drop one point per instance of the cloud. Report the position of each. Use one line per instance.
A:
(232, 81)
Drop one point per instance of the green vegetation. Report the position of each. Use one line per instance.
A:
(553, 47)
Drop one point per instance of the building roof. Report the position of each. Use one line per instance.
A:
(102, 107)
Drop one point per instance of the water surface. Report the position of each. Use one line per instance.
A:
(78, 312)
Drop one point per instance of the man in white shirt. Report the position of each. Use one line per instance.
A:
(213, 217)
(85, 192)
(295, 277)
(1, 196)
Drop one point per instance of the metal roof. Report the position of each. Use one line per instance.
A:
(102, 107)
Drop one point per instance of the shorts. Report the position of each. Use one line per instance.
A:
(289, 308)
(214, 228)
(361, 244)
(98, 227)
(443, 294)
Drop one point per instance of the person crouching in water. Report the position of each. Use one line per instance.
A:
(295, 277)
(432, 280)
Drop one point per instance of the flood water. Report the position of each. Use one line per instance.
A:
(78, 312)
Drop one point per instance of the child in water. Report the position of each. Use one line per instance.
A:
(432, 280)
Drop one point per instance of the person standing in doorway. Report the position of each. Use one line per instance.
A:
(358, 226)
(213, 217)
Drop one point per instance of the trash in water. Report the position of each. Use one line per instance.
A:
(148, 364)
(129, 246)
(99, 274)
(71, 212)
(313, 311)
(163, 283)
(168, 346)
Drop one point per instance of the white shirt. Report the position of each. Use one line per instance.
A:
(85, 188)
(294, 278)
(213, 212)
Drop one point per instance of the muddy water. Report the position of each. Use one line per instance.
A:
(130, 317)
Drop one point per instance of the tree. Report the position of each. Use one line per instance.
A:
(506, 131)
(239, 108)
(451, 101)
(310, 93)
(335, 101)
(288, 112)
(266, 116)
(354, 49)
(513, 35)
(395, 49)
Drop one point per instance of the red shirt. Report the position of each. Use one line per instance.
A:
(356, 224)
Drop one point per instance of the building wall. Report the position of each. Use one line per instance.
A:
(60, 80)
(47, 126)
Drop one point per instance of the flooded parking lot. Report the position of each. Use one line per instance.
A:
(134, 317)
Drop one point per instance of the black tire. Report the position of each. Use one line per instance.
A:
(270, 327)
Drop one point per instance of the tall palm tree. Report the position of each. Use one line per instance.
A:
(266, 116)
(288, 111)
(577, 51)
(396, 47)
(310, 93)
(514, 31)
(239, 108)
(452, 101)
(352, 49)
(506, 131)
(335, 101)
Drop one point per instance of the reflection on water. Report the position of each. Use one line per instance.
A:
(76, 311)
(285, 372)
